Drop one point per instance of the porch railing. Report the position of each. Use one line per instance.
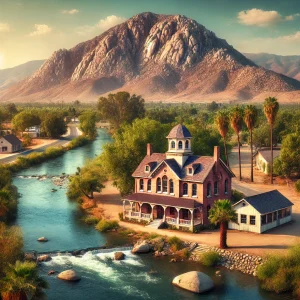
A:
(136, 214)
(171, 220)
(146, 216)
(184, 222)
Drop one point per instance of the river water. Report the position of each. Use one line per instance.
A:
(43, 212)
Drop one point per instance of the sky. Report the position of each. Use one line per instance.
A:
(34, 29)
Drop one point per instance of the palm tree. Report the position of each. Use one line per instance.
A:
(236, 120)
(222, 212)
(271, 107)
(222, 122)
(21, 282)
(250, 118)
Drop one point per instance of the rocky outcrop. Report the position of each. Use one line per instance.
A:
(44, 258)
(196, 282)
(119, 256)
(69, 275)
(141, 247)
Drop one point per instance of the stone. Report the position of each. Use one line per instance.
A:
(51, 272)
(196, 282)
(68, 275)
(76, 252)
(42, 239)
(172, 260)
(119, 256)
(30, 256)
(141, 247)
(218, 272)
(44, 258)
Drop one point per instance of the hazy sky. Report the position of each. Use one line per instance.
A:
(33, 29)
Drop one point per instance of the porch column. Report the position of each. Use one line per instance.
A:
(151, 215)
(164, 216)
(140, 203)
(178, 210)
(192, 218)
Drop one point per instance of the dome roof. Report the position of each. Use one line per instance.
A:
(179, 132)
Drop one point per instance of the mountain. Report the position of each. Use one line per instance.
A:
(287, 65)
(161, 57)
(13, 75)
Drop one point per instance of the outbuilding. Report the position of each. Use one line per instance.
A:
(262, 212)
(262, 158)
(9, 144)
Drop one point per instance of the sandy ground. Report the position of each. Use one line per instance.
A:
(276, 240)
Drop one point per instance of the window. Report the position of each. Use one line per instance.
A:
(171, 186)
(4, 149)
(244, 219)
(194, 189)
(252, 220)
(172, 211)
(149, 185)
(165, 184)
(216, 188)
(185, 214)
(208, 191)
(269, 218)
(275, 216)
(173, 145)
(141, 184)
(180, 145)
(158, 185)
(147, 168)
(280, 214)
(186, 144)
(185, 189)
(288, 211)
(190, 171)
(226, 186)
(264, 220)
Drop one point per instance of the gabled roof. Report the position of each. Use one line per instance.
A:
(266, 153)
(268, 202)
(152, 160)
(12, 139)
(179, 132)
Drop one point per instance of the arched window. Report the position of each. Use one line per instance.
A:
(208, 209)
(149, 185)
(141, 184)
(194, 189)
(226, 186)
(185, 189)
(187, 144)
(208, 191)
(216, 188)
(171, 186)
(173, 145)
(180, 145)
(165, 184)
(158, 185)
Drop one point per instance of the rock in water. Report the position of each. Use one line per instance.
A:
(69, 275)
(44, 258)
(141, 247)
(119, 256)
(51, 272)
(196, 282)
(42, 239)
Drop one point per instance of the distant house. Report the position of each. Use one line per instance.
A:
(262, 212)
(263, 158)
(9, 144)
(33, 131)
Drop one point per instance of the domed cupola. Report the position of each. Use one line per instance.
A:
(179, 144)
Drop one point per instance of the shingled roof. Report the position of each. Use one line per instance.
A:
(266, 153)
(268, 202)
(179, 132)
(12, 139)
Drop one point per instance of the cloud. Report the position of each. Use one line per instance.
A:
(291, 38)
(70, 12)
(4, 27)
(102, 25)
(40, 29)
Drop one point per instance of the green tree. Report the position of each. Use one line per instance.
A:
(24, 120)
(11, 110)
(213, 106)
(271, 107)
(221, 213)
(250, 118)
(121, 108)
(53, 125)
(261, 136)
(236, 121)
(88, 124)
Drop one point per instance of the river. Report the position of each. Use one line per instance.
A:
(42, 212)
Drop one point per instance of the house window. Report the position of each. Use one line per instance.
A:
(244, 219)
(252, 220)
(158, 185)
(171, 185)
(208, 191)
(147, 168)
(165, 184)
(173, 145)
(185, 189)
(190, 171)
(172, 211)
(226, 186)
(216, 188)
(269, 218)
(280, 214)
(180, 145)
(4, 149)
(186, 144)
(275, 216)
(288, 211)
(194, 189)
(141, 184)
(264, 220)
(149, 185)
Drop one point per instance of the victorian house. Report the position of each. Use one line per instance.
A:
(177, 187)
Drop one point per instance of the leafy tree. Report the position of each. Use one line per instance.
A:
(261, 136)
(250, 118)
(88, 124)
(121, 108)
(271, 107)
(236, 121)
(213, 106)
(24, 120)
(53, 125)
(11, 109)
(222, 212)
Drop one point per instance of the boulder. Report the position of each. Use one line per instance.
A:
(44, 258)
(30, 257)
(51, 272)
(42, 239)
(119, 256)
(141, 247)
(69, 275)
(196, 282)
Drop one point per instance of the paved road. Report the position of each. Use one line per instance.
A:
(73, 132)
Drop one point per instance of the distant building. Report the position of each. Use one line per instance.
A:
(9, 144)
(263, 158)
(33, 131)
(262, 212)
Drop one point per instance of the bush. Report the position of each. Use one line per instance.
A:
(121, 216)
(297, 186)
(91, 220)
(183, 254)
(78, 142)
(210, 258)
(106, 225)
(175, 243)
(26, 140)
(236, 196)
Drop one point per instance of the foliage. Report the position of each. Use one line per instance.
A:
(271, 108)
(250, 116)
(53, 125)
(91, 220)
(213, 106)
(24, 120)
(297, 186)
(175, 243)
(236, 119)
(107, 225)
(88, 124)
(79, 141)
(121, 216)
(236, 196)
(261, 136)
(210, 258)
(26, 140)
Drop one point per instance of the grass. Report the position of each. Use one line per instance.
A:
(91, 220)
(107, 225)
(210, 258)
(175, 243)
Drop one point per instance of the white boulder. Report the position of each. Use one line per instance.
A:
(141, 247)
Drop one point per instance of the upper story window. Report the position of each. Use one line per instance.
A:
(180, 145)
(216, 188)
(185, 189)
(158, 185)
(187, 144)
(141, 184)
(149, 185)
(190, 171)
(171, 186)
(147, 168)
(194, 189)
(165, 184)
(226, 186)
(208, 190)
(173, 145)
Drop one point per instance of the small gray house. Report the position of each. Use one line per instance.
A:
(262, 158)
(9, 144)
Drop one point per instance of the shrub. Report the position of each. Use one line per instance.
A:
(27, 140)
(121, 216)
(297, 186)
(91, 220)
(176, 243)
(106, 225)
(236, 196)
(210, 258)
(183, 254)
(78, 142)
